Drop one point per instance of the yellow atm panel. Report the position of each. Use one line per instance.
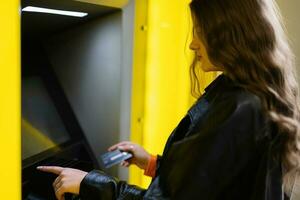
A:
(10, 169)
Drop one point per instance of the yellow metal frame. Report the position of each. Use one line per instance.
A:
(10, 120)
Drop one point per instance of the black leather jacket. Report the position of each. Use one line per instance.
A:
(224, 148)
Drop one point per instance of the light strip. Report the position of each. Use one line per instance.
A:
(53, 11)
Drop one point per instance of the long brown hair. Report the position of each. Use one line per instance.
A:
(246, 38)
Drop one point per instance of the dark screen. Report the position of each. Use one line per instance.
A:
(42, 128)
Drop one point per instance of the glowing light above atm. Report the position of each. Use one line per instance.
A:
(54, 11)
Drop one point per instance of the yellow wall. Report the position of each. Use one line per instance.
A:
(161, 85)
(10, 144)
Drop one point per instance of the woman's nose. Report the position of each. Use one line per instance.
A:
(193, 46)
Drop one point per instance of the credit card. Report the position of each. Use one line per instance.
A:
(114, 157)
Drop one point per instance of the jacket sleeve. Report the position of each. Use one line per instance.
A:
(207, 163)
(158, 161)
(100, 186)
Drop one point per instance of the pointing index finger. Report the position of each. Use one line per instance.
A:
(51, 169)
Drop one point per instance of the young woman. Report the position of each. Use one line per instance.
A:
(240, 140)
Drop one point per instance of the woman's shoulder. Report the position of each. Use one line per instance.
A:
(245, 98)
(226, 91)
(236, 99)
(234, 106)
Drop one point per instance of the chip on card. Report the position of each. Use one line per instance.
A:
(114, 157)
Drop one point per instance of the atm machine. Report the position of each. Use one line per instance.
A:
(65, 122)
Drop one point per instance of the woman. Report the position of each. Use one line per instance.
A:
(240, 139)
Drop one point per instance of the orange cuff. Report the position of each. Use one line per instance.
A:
(151, 167)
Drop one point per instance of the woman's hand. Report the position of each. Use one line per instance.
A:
(67, 181)
(140, 157)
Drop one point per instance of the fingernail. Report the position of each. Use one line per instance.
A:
(131, 147)
(39, 167)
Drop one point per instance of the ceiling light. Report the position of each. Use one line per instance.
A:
(53, 11)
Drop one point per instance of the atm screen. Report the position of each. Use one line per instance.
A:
(42, 127)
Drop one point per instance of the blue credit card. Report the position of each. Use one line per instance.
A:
(114, 157)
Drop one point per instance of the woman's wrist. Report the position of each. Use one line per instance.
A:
(146, 163)
(151, 167)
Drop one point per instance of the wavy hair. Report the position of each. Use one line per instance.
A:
(246, 38)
